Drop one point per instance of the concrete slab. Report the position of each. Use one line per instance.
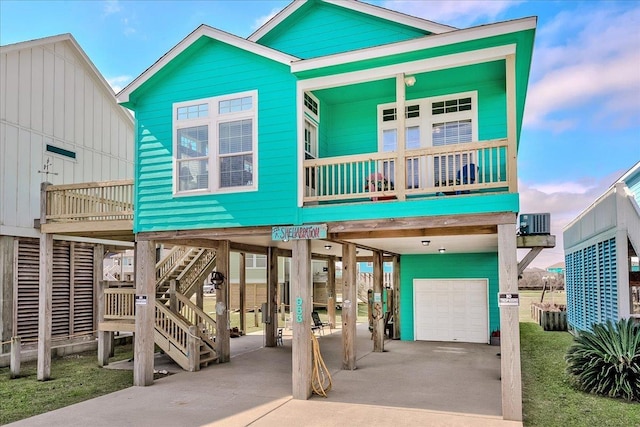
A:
(412, 383)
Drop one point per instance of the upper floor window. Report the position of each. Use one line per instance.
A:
(256, 261)
(215, 143)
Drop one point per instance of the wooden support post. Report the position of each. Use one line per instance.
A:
(282, 311)
(396, 297)
(255, 316)
(104, 337)
(349, 306)
(8, 288)
(509, 325)
(271, 327)
(302, 306)
(378, 312)
(400, 172)
(15, 357)
(145, 273)
(243, 292)
(331, 285)
(173, 300)
(44, 307)
(193, 352)
(223, 343)
(199, 296)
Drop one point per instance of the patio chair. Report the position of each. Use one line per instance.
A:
(318, 325)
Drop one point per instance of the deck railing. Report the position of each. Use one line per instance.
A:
(94, 201)
(119, 304)
(450, 169)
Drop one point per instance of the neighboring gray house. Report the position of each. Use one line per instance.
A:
(601, 252)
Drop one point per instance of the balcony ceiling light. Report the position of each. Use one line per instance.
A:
(426, 242)
(442, 249)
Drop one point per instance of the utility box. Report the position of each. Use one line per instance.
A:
(535, 224)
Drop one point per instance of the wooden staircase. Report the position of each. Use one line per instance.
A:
(187, 266)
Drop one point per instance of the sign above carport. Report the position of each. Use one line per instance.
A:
(299, 232)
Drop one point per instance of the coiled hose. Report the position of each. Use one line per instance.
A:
(320, 378)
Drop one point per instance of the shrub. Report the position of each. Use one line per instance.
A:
(606, 360)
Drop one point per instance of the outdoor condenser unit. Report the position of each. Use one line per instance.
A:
(537, 223)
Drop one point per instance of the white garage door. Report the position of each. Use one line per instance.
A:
(451, 310)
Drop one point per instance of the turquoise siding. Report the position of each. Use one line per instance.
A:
(210, 69)
(633, 182)
(320, 29)
(442, 266)
(591, 284)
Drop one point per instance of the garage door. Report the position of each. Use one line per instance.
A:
(451, 310)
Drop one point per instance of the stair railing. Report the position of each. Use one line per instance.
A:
(193, 314)
(181, 337)
(196, 272)
(167, 264)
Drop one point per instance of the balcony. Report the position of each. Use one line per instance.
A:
(476, 167)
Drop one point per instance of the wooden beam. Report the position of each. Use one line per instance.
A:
(331, 290)
(509, 325)
(88, 227)
(44, 307)
(378, 312)
(223, 338)
(530, 256)
(349, 306)
(145, 273)
(207, 233)
(428, 222)
(545, 241)
(418, 232)
(302, 306)
(243, 291)
(271, 327)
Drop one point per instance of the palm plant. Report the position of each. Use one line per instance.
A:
(606, 360)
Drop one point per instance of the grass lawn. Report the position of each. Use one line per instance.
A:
(74, 378)
(549, 398)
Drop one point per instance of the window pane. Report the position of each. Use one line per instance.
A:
(453, 132)
(235, 105)
(389, 114)
(311, 104)
(193, 111)
(193, 142)
(412, 137)
(193, 175)
(236, 171)
(389, 140)
(236, 136)
(261, 261)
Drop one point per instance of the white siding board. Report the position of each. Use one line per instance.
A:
(24, 89)
(11, 93)
(58, 98)
(88, 113)
(97, 121)
(69, 99)
(35, 178)
(106, 125)
(3, 87)
(24, 167)
(10, 175)
(47, 93)
(78, 106)
(36, 89)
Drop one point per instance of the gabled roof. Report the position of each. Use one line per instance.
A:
(379, 12)
(203, 31)
(72, 41)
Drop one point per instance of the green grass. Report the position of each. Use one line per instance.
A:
(74, 378)
(549, 396)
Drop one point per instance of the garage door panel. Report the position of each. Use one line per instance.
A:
(451, 310)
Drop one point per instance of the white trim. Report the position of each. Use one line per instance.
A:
(315, 117)
(413, 67)
(368, 9)
(203, 31)
(427, 42)
(300, 147)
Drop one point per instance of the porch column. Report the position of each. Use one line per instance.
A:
(509, 325)
(223, 338)
(45, 293)
(331, 285)
(396, 297)
(271, 327)
(8, 281)
(512, 135)
(243, 292)
(349, 306)
(378, 312)
(145, 273)
(400, 178)
(302, 306)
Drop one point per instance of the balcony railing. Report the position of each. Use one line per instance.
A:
(433, 171)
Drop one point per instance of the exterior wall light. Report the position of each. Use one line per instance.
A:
(410, 80)
(327, 247)
(442, 250)
(217, 279)
(426, 242)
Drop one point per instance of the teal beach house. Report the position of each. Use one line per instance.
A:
(345, 132)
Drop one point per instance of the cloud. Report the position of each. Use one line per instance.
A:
(564, 201)
(111, 7)
(119, 82)
(259, 22)
(588, 58)
(461, 13)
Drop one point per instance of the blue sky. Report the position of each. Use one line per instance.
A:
(582, 120)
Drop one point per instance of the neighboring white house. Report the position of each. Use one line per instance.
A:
(59, 122)
(601, 252)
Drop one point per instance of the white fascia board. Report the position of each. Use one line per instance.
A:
(392, 15)
(412, 67)
(426, 42)
(212, 33)
(276, 20)
(68, 37)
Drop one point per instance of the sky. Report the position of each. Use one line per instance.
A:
(581, 129)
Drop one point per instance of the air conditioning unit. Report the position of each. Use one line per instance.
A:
(535, 224)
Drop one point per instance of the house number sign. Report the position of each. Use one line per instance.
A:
(508, 300)
(299, 317)
(299, 232)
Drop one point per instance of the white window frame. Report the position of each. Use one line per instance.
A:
(213, 121)
(251, 261)
(425, 123)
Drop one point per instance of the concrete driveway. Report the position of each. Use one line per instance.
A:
(410, 384)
